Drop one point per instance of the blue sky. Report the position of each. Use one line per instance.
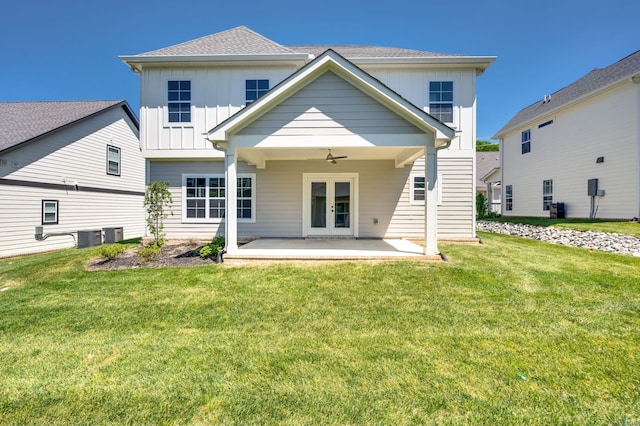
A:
(68, 49)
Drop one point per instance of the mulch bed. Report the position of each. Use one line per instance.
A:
(174, 253)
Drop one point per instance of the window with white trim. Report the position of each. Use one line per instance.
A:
(547, 194)
(526, 141)
(49, 212)
(254, 89)
(179, 101)
(113, 160)
(441, 100)
(508, 197)
(204, 198)
(418, 188)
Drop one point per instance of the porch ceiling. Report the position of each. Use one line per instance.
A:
(400, 155)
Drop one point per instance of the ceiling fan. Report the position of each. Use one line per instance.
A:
(331, 159)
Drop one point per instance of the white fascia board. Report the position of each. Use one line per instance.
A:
(480, 63)
(136, 63)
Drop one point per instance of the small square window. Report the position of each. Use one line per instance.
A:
(49, 212)
(254, 89)
(113, 160)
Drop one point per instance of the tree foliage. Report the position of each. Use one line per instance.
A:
(158, 202)
(487, 146)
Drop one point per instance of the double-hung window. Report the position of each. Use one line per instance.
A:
(49, 212)
(254, 89)
(204, 198)
(526, 141)
(113, 160)
(508, 197)
(418, 188)
(547, 194)
(179, 101)
(441, 100)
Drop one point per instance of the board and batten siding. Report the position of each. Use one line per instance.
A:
(565, 151)
(51, 167)
(383, 194)
(216, 94)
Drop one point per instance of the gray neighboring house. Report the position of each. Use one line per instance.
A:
(68, 166)
(579, 146)
(488, 179)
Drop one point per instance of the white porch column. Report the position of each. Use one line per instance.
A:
(489, 197)
(431, 203)
(231, 201)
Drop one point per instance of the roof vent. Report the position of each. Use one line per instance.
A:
(547, 98)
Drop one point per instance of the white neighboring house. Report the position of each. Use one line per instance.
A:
(68, 166)
(579, 146)
(306, 141)
(488, 179)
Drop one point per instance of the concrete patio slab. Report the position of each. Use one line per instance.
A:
(330, 249)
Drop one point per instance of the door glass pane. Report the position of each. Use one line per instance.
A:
(342, 204)
(318, 204)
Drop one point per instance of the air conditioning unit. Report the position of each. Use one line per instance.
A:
(113, 235)
(89, 238)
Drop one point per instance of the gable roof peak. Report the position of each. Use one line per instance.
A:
(235, 41)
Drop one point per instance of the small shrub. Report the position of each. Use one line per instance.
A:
(481, 206)
(110, 251)
(150, 252)
(211, 250)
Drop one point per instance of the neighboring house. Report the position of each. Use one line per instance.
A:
(488, 179)
(579, 146)
(310, 141)
(68, 166)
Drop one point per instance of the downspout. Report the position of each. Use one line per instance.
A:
(636, 80)
(439, 148)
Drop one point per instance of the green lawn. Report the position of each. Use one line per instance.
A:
(513, 331)
(596, 225)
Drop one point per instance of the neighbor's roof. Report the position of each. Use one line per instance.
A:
(485, 163)
(22, 122)
(594, 81)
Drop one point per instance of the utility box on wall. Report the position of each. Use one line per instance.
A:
(89, 238)
(592, 187)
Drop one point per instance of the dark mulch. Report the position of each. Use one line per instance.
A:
(174, 253)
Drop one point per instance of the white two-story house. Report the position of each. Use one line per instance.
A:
(263, 140)
(578, 147)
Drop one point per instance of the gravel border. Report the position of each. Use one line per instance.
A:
(614, 243)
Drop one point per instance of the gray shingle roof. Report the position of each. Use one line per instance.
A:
(236, 41)
(244, 41)
(596, 80)
(21, 122)
(485, 162)
(352, 51)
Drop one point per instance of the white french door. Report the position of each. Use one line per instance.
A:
(330, 205)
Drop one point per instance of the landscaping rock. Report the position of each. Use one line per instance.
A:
(616, 243)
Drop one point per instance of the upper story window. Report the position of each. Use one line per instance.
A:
(526, 141)
(547, 194)
(254, 89)
(441, 100)
(179, 97)
(113, 160)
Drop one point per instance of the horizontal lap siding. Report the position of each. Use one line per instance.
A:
(21, 209)
(384, 209)
(331, 106)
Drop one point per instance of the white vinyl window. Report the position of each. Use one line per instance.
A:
(417, 189)
(508, 197)
(49, 212)
(441, 100)
(113, 160)
(526, 141)
(203, 198)
(547, 194)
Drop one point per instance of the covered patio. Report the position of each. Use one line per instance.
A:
(294, 249)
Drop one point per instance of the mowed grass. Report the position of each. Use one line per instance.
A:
(513, 331)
